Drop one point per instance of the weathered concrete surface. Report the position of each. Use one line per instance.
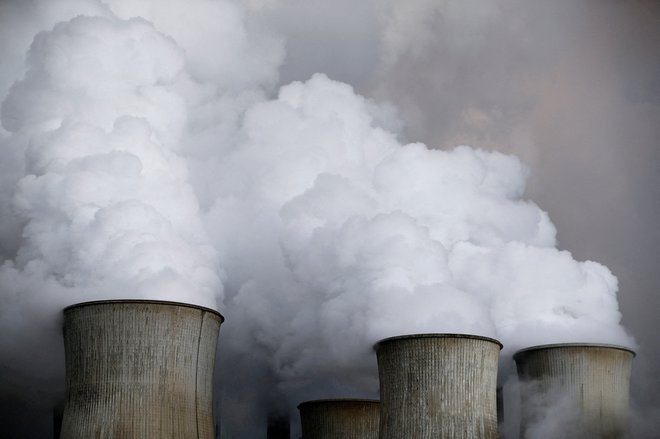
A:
(593, 379)
(139, 369)
(340, 418)
(438, 386)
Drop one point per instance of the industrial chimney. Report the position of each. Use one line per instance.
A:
(591, 381)
(340, 418)
(139, 369)
(438, 385)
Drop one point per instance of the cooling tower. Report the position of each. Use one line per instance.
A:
(585, 387)
(139, 369)
(438, 386)
(340, 418)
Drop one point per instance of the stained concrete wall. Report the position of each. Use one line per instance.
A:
(437, 386)
(139, 369)
(589, 381)
(340, 418)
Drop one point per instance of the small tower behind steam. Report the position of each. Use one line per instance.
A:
(585, 385)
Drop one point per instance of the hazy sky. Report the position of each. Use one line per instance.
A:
(570, 87)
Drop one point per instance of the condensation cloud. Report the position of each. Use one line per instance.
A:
(150, 153)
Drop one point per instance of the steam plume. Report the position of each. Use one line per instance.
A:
(150, 154)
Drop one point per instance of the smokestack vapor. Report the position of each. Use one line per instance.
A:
(193, 152)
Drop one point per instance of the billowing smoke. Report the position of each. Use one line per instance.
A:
(105, 203)
(97, 199)
(148, 152)
(357, 234)
(355, 237)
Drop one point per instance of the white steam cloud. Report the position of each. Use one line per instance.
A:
(105, 200)
(366, 238)
(145, 159)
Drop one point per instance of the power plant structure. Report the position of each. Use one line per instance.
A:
(139, 369)
(144, 369)
(340, 418)
(438, 385)
(591, 381)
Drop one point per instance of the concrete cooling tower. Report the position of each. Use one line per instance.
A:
(340, 418)
(139, 369)
(585, 386)
(438, 386)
